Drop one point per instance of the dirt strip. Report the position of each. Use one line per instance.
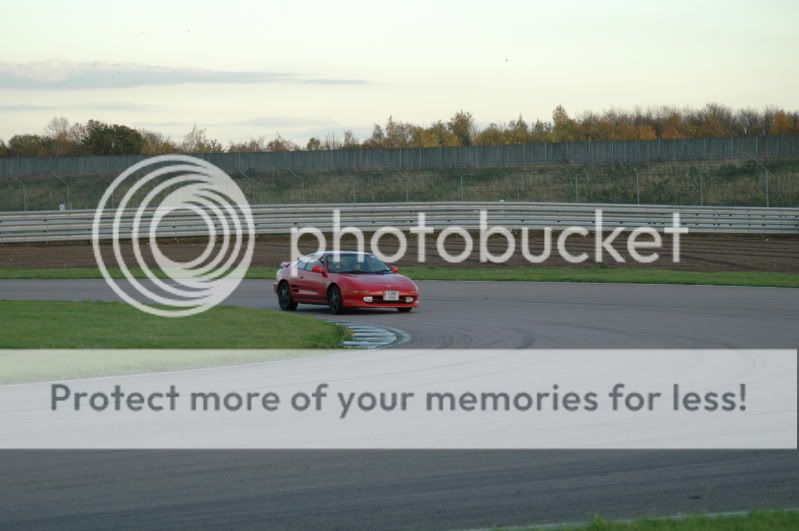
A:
(699, 252)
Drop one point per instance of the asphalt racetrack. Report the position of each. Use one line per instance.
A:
(538, 314)
(441, 489)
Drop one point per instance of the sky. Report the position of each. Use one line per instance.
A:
(243, 69)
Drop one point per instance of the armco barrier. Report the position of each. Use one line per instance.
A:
(76, 225)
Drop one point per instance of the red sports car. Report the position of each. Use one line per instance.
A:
(344, 280)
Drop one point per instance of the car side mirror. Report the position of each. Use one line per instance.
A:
(317, 269)
(394, 269)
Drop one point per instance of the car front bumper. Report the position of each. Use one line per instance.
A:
(355, 299)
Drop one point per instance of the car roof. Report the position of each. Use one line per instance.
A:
(329, 253)
(345, 252)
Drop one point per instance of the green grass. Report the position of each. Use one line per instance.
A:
(598, 274)
(759, 520)
(75, 273)
(627, 275)
(110, 325)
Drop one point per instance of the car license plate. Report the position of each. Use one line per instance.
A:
(391, 296)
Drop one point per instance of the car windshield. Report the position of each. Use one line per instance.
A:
(356, 263)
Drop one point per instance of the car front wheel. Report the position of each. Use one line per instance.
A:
(334, 300)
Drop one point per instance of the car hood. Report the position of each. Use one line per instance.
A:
(390, 281)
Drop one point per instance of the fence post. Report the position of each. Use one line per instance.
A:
(111, 180)
(589, 190)
(24, 194)
(65, 183)
(637, 188)
(252, 190)
(462, 196)
(302, 185)
(407, 186)
(701, 188)
(576, 190)
(767, 179)
(765, 172)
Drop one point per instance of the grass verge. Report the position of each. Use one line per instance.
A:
(627, 275)
(111, 325)
(607, 275)
(758, 520)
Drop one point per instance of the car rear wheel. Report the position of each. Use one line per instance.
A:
(404, 310)
(334, 300)
(284, 298)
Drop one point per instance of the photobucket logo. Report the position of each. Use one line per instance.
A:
(642, 243)
(173, 191)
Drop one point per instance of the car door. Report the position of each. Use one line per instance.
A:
(315, 283)
(300, 285)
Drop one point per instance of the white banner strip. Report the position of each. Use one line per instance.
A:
(423, 399)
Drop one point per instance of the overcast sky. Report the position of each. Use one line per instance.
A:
(243, 69)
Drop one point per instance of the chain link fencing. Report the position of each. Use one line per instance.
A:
(728, 183)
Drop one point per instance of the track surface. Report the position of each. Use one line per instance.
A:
(435, 489)
(533, 314)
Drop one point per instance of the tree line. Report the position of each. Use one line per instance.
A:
(60, 138)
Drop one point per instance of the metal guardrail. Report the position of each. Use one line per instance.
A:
(76, 225)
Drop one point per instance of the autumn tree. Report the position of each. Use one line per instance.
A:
(713, 120)
(253, 145)
(669, 124)
(157, 144)
(441, 135)
(197, 141)
(350, 140)
(377, 140)
(782, 123)
(112, 139)
(750, 122)
(281, 144)
(398, 134)
(664, 122)
(564, 128)
(541, 131)
(30, 145)
(67, 139)
(517, 132)
(331, 141)
(462, 126)
(490, 136)
(314, 144)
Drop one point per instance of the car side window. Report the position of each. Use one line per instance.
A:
(306, 263)
(311, 263)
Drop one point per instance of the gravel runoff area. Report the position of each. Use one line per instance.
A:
(699, 252)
